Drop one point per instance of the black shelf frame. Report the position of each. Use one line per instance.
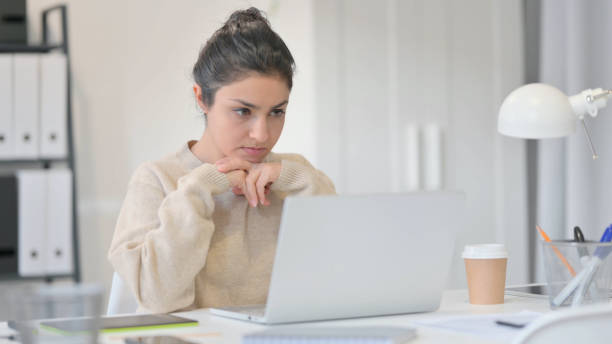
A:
(20, 48)
(46, 47)
(44, 161)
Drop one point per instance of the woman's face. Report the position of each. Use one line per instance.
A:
(247, 116)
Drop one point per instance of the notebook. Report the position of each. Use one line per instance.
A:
(331, 335)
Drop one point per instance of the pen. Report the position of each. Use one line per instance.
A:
(574, 283)
(607, 235)
(585, 282)
(579, 237)
(602, 252)
(557, 252)
(510, 324)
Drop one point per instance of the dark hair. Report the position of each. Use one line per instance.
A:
(245, 43)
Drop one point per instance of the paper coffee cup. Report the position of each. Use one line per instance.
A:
(485, 268)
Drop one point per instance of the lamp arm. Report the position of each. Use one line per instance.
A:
(589, 101)
(602, 94)
(587, 132)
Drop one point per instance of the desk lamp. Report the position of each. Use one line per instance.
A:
(540, 111)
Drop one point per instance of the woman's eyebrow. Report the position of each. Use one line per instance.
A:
(280, 104)
(247, 104)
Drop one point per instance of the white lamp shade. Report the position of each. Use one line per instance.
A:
(536, 111)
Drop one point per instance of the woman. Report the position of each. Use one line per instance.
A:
(198, 228)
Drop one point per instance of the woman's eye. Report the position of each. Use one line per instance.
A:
(277, 112)
(242, 111)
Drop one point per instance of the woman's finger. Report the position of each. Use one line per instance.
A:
(261, 187)
(231, 163)
(250, 188)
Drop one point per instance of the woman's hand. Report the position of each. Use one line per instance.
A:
(256, 183)
(236, 180)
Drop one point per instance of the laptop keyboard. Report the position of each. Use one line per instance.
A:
(254, 311)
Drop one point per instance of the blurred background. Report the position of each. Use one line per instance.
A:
(389, 96)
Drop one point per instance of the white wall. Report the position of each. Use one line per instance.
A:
(387, 64)
(131, 63)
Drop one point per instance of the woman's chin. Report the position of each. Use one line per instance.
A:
(253, 160)
(253, 156)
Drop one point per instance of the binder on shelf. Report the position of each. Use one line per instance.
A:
(26, 105)
(7, 141)
(31, 212)
(53, 99)
(44, 217)
(58, 258)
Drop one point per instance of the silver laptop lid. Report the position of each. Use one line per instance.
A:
(362, 255)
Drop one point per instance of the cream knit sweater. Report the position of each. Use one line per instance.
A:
(183, 240)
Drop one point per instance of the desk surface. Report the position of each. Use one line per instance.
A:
(213, 329)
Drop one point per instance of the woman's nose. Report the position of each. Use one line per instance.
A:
(259, 130)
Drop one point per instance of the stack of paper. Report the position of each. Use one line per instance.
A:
(331, 335)
(484, 326)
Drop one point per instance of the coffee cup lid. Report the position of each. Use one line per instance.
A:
(485, 251)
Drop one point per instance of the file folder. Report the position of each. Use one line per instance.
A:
(7, 144)
(31, 209)
(53, 109)
(26, 96)
(58, 259)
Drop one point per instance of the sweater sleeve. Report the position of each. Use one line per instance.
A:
(299, 178)
(161, 241)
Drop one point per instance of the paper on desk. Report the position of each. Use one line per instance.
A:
(482, 325)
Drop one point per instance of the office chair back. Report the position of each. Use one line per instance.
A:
(121, 300)
(587, 324)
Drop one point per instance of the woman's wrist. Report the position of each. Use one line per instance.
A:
(290, 173)
(208, 175)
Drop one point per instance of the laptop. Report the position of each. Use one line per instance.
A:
(359, 255)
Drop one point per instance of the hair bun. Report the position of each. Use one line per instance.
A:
(245, 43)
(246, 18)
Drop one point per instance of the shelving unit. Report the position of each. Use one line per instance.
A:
(42, 163)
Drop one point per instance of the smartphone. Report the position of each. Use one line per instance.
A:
(156, 340)
(534, 290)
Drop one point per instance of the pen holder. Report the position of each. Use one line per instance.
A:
(577, 273)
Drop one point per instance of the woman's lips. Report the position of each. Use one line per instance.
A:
(253, 150)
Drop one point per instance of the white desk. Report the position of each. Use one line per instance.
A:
(213, 329)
